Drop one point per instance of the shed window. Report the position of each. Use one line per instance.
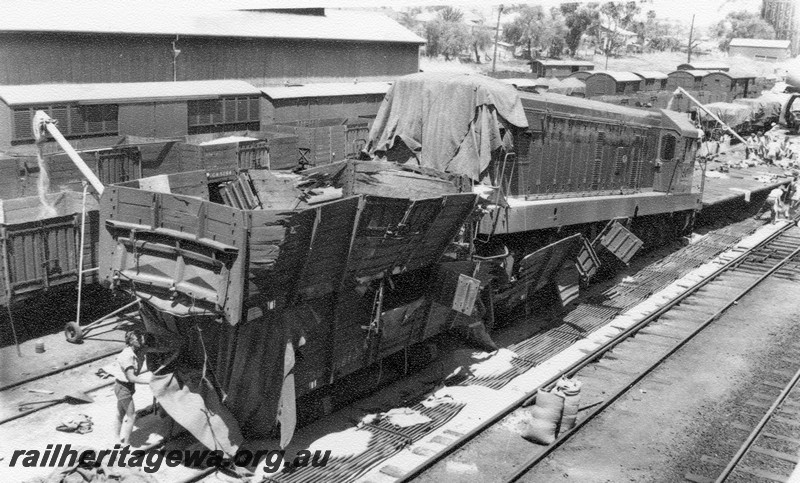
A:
(649, 82)
(224, 114)
(72, 121)
(663, 83)
(620, 87)
(667, 147)
(634, 86)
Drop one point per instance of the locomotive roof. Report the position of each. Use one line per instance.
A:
(576, 106)
(580, 105)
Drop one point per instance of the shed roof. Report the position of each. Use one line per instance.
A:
(125, 92)
(563, 63)
(703, 66)
(619, 76)
(692, 72)
(331, 89)
(761, 43)
(650, 74)
(151, 19)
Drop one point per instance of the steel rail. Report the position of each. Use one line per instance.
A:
(580, 364)
(563, 438)
(751, 438)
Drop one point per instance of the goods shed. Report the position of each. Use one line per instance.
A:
(652, 80)
(323, 101)
(608, 83)
(136, 42)
(559, 68)
(146, 109)
(761, 49)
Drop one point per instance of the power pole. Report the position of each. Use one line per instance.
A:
(689, 48)
(496, 35)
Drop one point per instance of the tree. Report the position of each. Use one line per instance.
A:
(533, 27)
(480, 37)
(742, 24)
(614, 18)
(446, 35)
(407, 18)
(578, 20)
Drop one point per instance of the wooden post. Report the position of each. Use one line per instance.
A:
(689, 46)
(496, 35)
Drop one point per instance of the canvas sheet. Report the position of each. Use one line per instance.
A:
(450, 121)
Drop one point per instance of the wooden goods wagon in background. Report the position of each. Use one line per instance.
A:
(41, 253)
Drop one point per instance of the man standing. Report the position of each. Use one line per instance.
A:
(131, 362)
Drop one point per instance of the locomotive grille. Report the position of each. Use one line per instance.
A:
(597, 169)
(620, 161)
(597, 166)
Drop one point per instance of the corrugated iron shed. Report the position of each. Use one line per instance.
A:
(123, 92)
(331, 89)
(151, 19)
(761, 43)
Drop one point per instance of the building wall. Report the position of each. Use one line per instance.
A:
(753, 52)
(163, 119)
(71, 58)
(351, 107)
(6, 125)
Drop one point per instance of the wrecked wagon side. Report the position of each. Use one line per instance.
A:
(269, 295)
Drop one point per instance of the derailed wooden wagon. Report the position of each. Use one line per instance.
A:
(254, 286)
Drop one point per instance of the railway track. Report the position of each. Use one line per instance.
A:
(658, 331)
(615, 367)
(769, 452)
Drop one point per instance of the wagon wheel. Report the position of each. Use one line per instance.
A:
(73, 332)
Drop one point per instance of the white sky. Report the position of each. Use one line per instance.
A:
(707, 12)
